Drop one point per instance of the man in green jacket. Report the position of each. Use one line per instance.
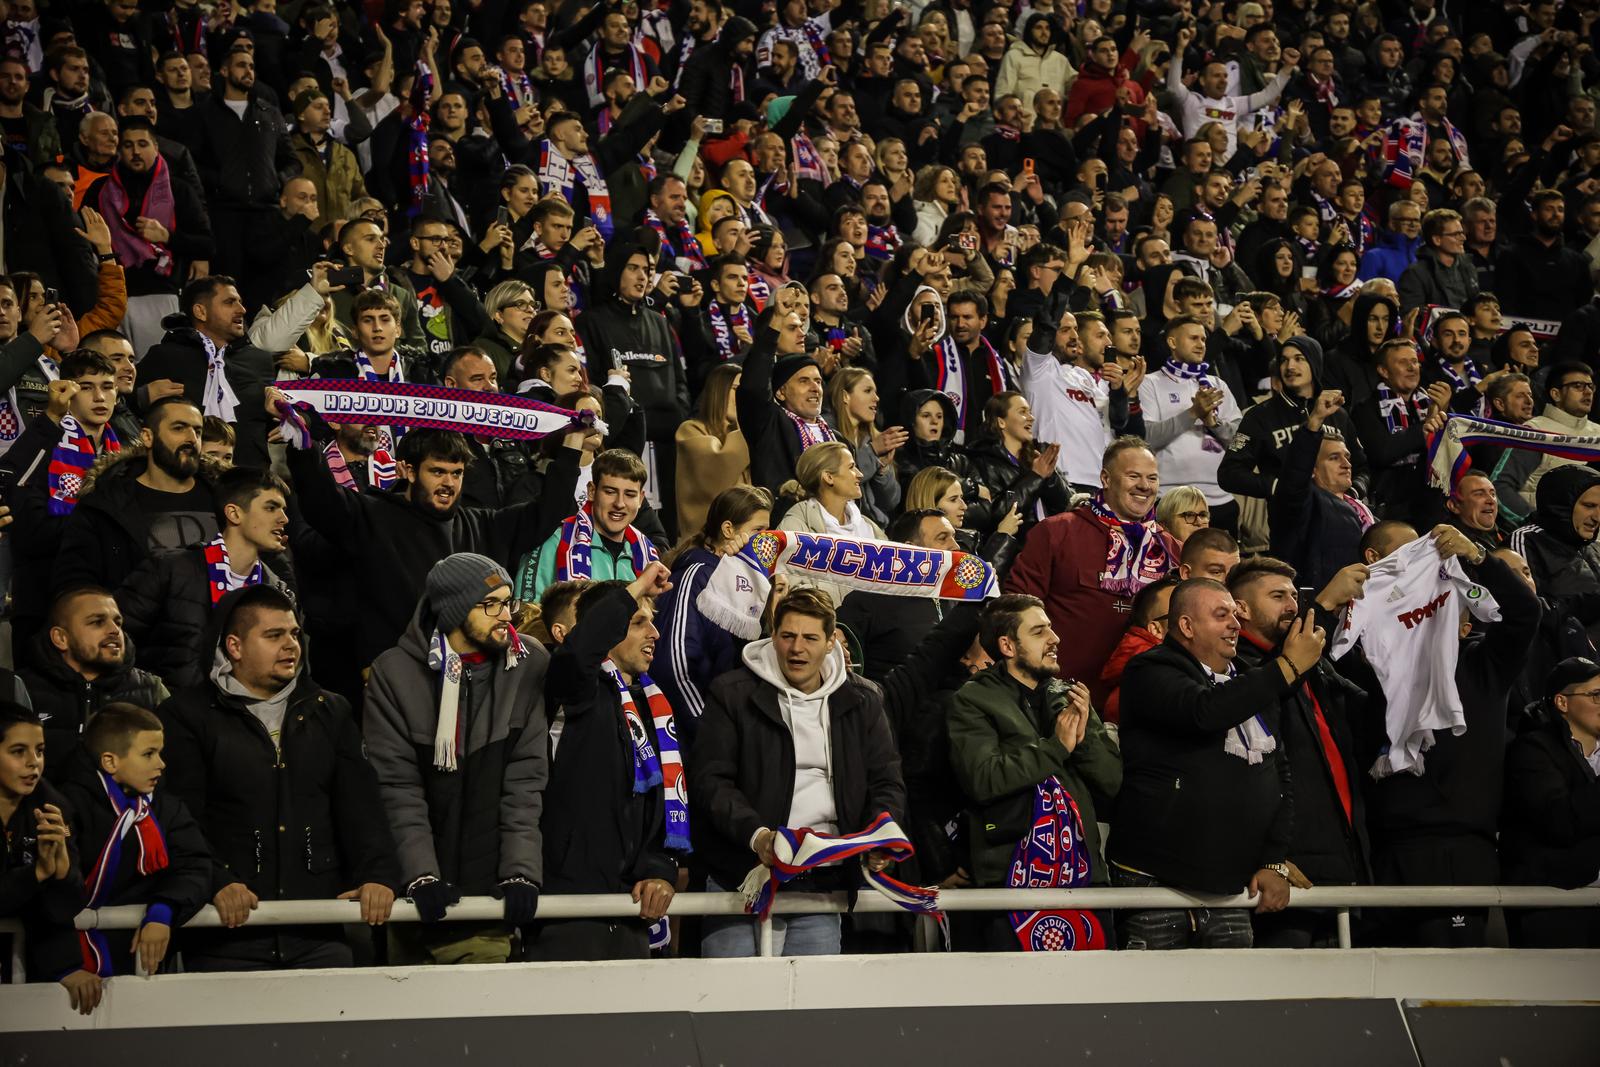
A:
(1016, 733)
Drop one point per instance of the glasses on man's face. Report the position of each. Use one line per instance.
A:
(1196, 518)
(1591, 695)
(1454, 233)
(496, 606)
(1582, 387)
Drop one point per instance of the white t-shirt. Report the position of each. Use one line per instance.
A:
(1189, 453)
(1071, 408)
(1408, 623)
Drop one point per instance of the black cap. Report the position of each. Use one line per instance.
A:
(1570, 671)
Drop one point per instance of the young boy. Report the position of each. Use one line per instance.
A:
(142, 847)
(39, 878)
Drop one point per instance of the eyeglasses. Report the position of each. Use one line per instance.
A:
(1586, 387)
(1592, 695)
(1196, 518)
(494, 607)
(1454, 233)
(523, 305)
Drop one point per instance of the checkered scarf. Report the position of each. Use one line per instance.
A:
(70, 461)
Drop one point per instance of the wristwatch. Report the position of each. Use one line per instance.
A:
(1279, 869)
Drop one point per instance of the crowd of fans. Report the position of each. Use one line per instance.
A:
(1155, 306)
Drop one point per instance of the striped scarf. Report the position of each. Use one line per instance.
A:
(220, 578)
(1136, 553)
(519, 89)
(1198, 372)
(657, 763)
(1053, 855)
(950, 376)
(595, 67)
(882, 242)
(807, 160)
(449, 732)
(723, 321)
(810, 433)
(558, 174)
(1343, 292)
(417, 138)
(1392, 406)
(367, 372)
(70, 461)
(760, 292)
(575, 541)
(380, 467)
(1460, 383)
(682, 244)
(799, 851)
(134, 814)
(219, 399)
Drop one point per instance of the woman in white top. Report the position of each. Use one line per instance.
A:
(827, 484)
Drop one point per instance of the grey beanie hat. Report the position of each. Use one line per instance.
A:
(458, 583)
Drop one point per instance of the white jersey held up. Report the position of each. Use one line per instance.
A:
(1071, 408)
(1408, 622)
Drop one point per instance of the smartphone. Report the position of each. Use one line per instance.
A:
(713, 125)
(928, 313)
(1308, 598)
(969, 242)
(1308, 273)
(1100, 183)
(1027, 166)
(51, 296)
(347, 276)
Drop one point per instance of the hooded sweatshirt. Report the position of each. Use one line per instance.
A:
(1565, 565)
(268, 712)
(809, 722)
(636, 336)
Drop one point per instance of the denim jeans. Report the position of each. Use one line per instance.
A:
(727, 937)
(1170, 928)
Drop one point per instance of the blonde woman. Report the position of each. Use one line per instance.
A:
(853, 414)
(713, 455)
(827, 486)
(939, 489)
(1183, 510)
(511, 307)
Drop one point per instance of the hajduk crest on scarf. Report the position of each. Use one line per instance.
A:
(380, 467)
(70, 461)
(1054, 855)
(558, 174)
(134, 817)
(737, 593)
(220, 576)
(448, 736)
(575, 544)
(656, 762)
(1448, 457)
(797, 851)
(1136, 552)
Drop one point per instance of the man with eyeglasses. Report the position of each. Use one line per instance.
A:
(1550, 833)
(450, 312)
(1570, 396)
(1443, 273)
(455, 726)
(1395, 248)
(1540, 277)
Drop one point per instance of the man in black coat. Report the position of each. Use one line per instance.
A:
(791, 739)
(779, 398)
(1394, 423)
(1328, 845)
(1316, 520)
(1194, 725)
(80, 663)
(273, 769)
(1550, 829)
(243, 158)
(603, 832)
(1539, 277)
(392, 538)
(41, 235)
(1438, 827)
(707, 80)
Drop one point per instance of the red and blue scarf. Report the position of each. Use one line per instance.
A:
(558, 174)
(380, 467)
(417, 147)
(950, 376)
(882, 241)
(1392, 406)
(760, 292)
(575, 541)
(1053, 855)
(134, 814)
(220, 576)
(681, 244)
(802, 850)
(657, 762)
(70, 461)
(1136, 553)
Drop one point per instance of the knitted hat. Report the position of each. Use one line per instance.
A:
(457, 583)
(788, 366)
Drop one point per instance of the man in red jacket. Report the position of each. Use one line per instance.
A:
(1089, 564)
(1147, 626)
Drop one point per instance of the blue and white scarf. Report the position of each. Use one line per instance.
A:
(656, 759)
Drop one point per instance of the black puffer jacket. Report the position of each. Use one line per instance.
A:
(639, 338)
(181, 357)
(65, 699)
(167, 611)
(1009, 483)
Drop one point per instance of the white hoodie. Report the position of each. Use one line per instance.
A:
(809, 722)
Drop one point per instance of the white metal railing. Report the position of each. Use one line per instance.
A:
(1340, 899)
